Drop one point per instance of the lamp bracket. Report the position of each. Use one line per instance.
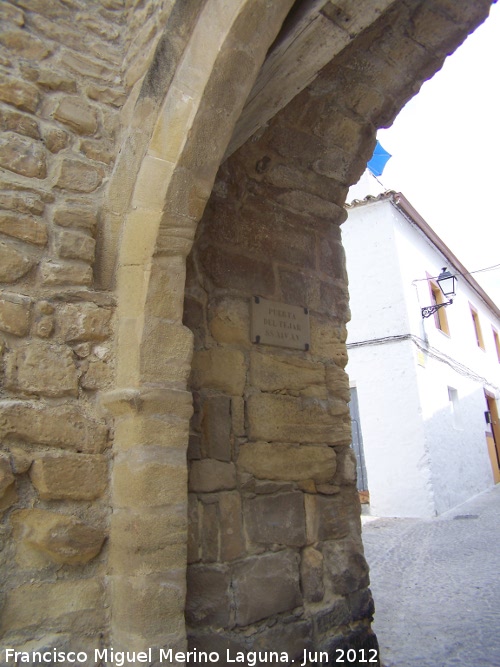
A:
(430, 310)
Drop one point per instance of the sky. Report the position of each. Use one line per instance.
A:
(445, 147)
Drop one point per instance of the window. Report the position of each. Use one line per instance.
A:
(497, 342)
(440, 318)
(477, 327)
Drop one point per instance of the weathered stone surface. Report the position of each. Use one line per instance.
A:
(63, 605)
(232, 543)
(78, 115)
(267, 461)
(82, 322)
(73, 245)
(24, 202)
(22, 155)
(337, 382)
(25, 45)
(237, 272)
(209, 531)
(23, 227)
(328, 340)
(216, 428)
(346, 466)
(14, 314)
(74, 215)
(335, 616)
(229, 321)
(41, 368)
(142, 540)
(289, 419)
(284, 373)
(98, 376)
(219, 368)
(238, 416)
(18, 93)
(19, 122)
(149, 476)
(55, 139)
(330, 517)
(346, 570)
(276, 519)
(208, 603)
(78, 176)
(69, 476)
(61, 538)
(66, 273)
(311, 575)
(8, 495)
(63, 426)
(254, 578)
(13, 264)
(210, 475)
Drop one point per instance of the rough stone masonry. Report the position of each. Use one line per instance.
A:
(165, 483)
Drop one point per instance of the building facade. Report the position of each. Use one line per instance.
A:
(427, 388)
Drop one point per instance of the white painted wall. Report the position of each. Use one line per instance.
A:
(421, 459)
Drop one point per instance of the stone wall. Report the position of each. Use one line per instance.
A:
(67, 69)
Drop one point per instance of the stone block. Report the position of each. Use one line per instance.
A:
(232, 543)
(55, 139)
(24, 44)
(328, 340)
(210, 475)
(193, 538)
(329, 517)
(74, 245)
(19, 123)
(18, 93)
(311, 575)
(8, 495)
(15, 314)
(209, 531)
(76, 114)
(282, 461)
(254, 579)
(69, 476)
(238, 416)
(41, 368)
(227, 269)
(148, 606)
(331, 619)
(276, 519)
(149, 476)
(288, 419)
(62, 538)
(219, 368)
(292, 638)
(99, 375)
(273, 373)
(64, 605)
(337, 382)
(22, 155)
(23, 227)
(65, 273)
(13, 264)
(78, 176)
(208, 602)
(22, 202)
(346, 570)
(361, 605)
(75, 216)
(63, 426)
(229, 321)
(216, 428)
(79, 322)
(346, 466)
(143, 540)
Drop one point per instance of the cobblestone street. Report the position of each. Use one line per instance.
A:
(436, 586)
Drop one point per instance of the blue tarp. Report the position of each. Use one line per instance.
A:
(378, 160)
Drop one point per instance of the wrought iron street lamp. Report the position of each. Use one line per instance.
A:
(446, 282)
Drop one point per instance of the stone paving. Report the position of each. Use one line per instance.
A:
(436, 585)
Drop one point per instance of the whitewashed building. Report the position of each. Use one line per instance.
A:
(424, 390)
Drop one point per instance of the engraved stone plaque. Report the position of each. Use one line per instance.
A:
(274, 323)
